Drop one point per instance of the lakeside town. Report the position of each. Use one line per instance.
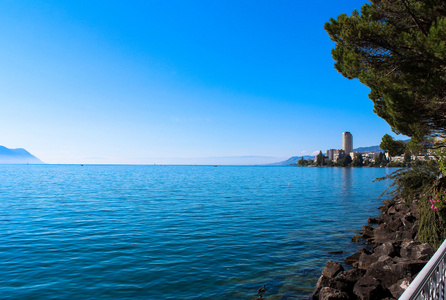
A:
(347, 157)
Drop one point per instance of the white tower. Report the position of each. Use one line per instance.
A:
(347, 142)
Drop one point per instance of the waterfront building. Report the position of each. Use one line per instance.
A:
(370, 155)
(337, 154)
(330, 153)
(353, 154)
(347, 142)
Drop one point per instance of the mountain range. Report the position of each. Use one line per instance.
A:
(21, 156)
(17, 156)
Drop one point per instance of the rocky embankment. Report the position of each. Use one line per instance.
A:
(384, 268)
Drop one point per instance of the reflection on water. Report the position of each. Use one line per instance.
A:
(347, 179)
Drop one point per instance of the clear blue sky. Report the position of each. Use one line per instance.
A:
(176, 81)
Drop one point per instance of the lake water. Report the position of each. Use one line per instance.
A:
(176, 232)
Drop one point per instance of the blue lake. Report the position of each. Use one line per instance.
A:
(177, 232)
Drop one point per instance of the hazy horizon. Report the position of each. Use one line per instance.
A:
(138, 82)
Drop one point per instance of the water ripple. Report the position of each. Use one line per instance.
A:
(176, 232)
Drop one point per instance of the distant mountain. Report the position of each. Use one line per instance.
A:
(368, 149)
(291, 161)
(17, 156)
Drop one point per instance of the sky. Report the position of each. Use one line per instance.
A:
(176, 82)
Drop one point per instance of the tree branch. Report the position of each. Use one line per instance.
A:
(413, 18)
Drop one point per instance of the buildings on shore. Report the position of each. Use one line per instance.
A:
(347, 149)
(347, 142)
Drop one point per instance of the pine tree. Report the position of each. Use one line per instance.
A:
(398, 50)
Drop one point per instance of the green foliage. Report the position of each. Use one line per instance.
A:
(411, 184)
(302, 162)
(394, 148)
(380, 160)
(345, 161)
(432, 225)
(420, 184)
(395, 164)
(320, 159)
(433, 214)
(440, 153)
(398, 50)
(358, 160)
(407, 157)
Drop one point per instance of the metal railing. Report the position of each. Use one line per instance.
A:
(430, 283)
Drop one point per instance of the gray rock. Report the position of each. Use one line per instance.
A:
(366, 228)
(408, 220)
(355, 257)
(321, 283)
(400, 236)
(407, 247)
(404, 268)
(395, 225)
(398, 288)
(328, 293)
(345, 281)
(383, 234)
(332, 269)
(392, 210)
(416, 250)
(368, 288)
(383, 271)
(387, 248)
(372, 221)
(402, 207)
(366, 260)
(367, 234)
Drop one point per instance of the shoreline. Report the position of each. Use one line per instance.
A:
(391, 258)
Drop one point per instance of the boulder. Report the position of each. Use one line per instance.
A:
(321, 282)
(356, 238)
(369, 288)
(355, 257)
(402, 207)
(416, 250)
(345, 281)
(384, 219)
(400, 236)
(405, 268)
(394, 225)
(366, 228)
(392, 210)
(332, 269)
(408, 220)
(372, 221)
(382, 269)
(367, 234)
(398, 288)
(383, 234)
(386, 249)
(328, 293)
(366, 260)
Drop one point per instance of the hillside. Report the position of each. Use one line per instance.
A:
(368, 149)
(17, 156)
(291, 161)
